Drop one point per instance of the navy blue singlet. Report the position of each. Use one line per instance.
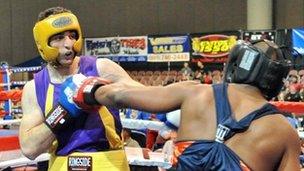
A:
(214, 154)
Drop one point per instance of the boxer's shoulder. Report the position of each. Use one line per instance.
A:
(202, 90)
(29, 99)
(276, 122)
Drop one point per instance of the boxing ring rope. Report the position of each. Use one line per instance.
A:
(6, 83)
(9, 122)
(126, 123)
(24, 161)
(25, 69)
(142, 124)
(294, 107)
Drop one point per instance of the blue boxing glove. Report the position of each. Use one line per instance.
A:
(172, 123)
(67, 91)
(66, 110)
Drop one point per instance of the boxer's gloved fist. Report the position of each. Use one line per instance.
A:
(173, 119)
(172, 123)
(66, 110)
(85, 96)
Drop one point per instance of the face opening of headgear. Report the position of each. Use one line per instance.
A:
(52, 25)
(261, 64)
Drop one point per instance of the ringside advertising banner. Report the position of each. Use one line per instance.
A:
(212, 47)
(260, 34)
(167, 48)
(120, 49)
(298, 39)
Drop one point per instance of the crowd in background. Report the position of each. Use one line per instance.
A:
(293, 89)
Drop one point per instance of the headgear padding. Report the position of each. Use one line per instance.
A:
(248, 64)
(52, 25)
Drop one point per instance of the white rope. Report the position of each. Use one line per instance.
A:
(25, 69)
(24, 161)
(301, 134)
(4, 84)
(9, 122)
(126, 123)
(16, 83)
(142, 124)
(146, 162)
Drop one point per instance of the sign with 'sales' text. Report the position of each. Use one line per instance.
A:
(168, 48)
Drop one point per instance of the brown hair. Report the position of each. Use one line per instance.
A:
(52, 11)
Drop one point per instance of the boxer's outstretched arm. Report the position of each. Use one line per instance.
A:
(151, 99)
(111, 71)
(34, 136)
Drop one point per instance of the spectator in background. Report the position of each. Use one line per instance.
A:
(294, 80)
(168, 148)
(207, 78)
(168, 81)
(280, 97)
(171, 126)
(216, 77)
(302, 93)
(141, 115)
(187, 72)
(293, 93)
(200, 72)
(151, 134)
(128, 141)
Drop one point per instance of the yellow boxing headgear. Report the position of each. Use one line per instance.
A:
(52, 25)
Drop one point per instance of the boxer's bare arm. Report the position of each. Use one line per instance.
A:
(150, 99)
(290, 159)
(34, 136)
(111, 71)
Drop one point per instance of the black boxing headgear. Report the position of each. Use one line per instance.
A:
(248, 64)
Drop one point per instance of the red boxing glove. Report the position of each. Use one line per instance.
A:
(85, 95)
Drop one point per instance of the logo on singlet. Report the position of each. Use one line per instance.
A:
(83, 163)
(56, 116)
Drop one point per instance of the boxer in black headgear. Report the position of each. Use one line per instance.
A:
(248, 64)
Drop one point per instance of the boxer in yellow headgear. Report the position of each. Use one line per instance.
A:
(90, 140)
(51, 26)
